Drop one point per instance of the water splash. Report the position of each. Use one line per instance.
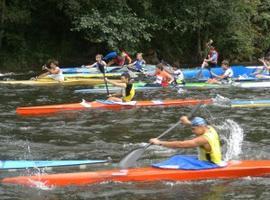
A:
(181, 91)
(40, 185)
(221, 101)
(232, 136)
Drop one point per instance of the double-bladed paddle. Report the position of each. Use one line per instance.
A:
(130, 159)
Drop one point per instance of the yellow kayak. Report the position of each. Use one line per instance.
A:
(97, 75)
(48, 82)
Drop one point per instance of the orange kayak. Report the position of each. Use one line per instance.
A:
(84, 105)
(235, 169)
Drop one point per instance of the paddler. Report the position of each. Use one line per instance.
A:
(53, 71)
(207, 140)
(139, 64)
(265, 72)
(226, 77)
(163, 78)
(127, 92)
(212, 58)
(98, 64)
(119, 60)
(177, 74)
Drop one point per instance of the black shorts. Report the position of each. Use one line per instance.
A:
(211, 65)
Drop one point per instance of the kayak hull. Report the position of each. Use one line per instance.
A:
(51, 109)
(109, 69)
(24, 164)
(250, 103)
(141, 86)
(235, 169)
(51, 82)
(238, 71)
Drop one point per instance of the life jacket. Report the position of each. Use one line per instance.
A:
(100, 66)
(139, 65)
(215, 154)
(129, 93)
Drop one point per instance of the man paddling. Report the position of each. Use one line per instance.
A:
(163, 78)
(212, 58)
(226, 77)
(98, 64)
(53, 71)
(115, 59)
(207, 140)
(127, 92)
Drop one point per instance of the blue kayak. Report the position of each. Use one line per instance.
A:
(250, 103)
(24, 164)
(110, 69)
(239, 71)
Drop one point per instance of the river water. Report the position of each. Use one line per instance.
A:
(99, 134)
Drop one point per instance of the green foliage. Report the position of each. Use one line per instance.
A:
(114, 28)
(32, 31)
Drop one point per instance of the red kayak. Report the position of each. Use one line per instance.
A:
(84, 105)
(235, 169)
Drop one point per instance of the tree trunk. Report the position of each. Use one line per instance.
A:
(199, 39)
(2, 21)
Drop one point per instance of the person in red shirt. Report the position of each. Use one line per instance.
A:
(118, 60)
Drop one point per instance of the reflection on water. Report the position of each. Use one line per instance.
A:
(99, 134)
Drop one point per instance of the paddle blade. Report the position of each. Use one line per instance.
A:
(130, 159)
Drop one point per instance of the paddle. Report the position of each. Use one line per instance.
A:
(101, 68)
(131, 159)
(202, 67)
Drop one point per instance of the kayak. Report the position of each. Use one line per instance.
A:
(24, 164)
(142, 86)
(238, 71)
(92, 75)
(48, 82)
(103, 104)
(250, 103)
(261, 84)
(234, 169)
(110, 69)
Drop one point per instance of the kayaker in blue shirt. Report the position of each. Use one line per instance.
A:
(139, 64)
(117, 59)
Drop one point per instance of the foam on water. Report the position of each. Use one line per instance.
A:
(232, 135)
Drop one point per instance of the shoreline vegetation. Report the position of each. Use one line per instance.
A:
(74, 31)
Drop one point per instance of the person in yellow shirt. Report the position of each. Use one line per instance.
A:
(207, 140)
(127, 92)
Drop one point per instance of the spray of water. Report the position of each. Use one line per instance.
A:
(221, 101)
(232, 136)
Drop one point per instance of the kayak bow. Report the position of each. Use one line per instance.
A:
(235, 169)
